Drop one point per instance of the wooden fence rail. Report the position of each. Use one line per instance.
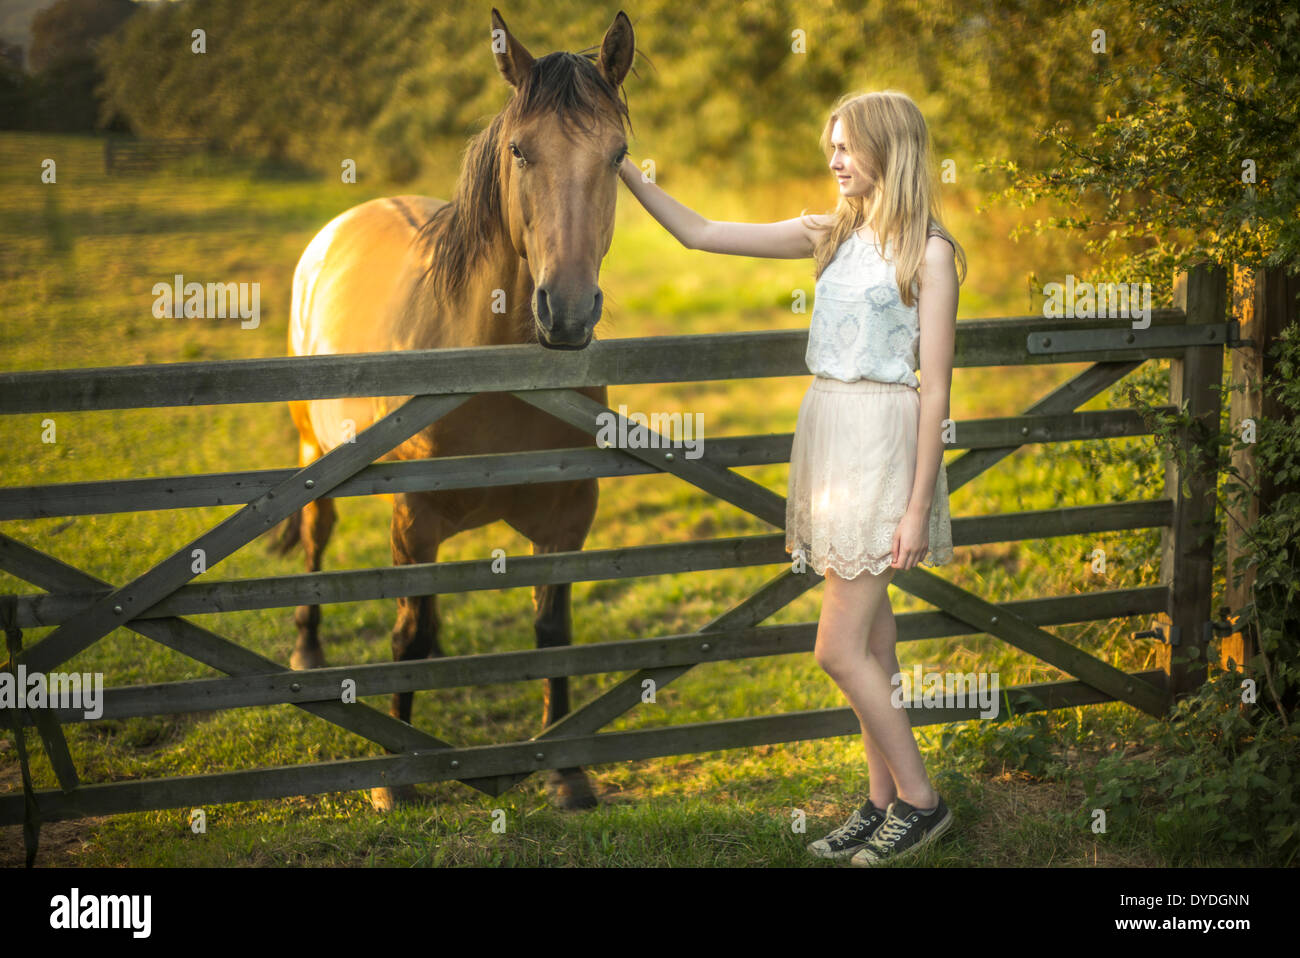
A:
(143, 155)
(82, 609)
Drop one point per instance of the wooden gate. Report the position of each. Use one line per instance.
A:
(83, 608)
(132, 155)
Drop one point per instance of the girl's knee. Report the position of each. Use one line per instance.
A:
(827, 660)
(838, 663)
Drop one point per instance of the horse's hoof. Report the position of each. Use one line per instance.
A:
(387, 799)
(308, 659)
(570, 791)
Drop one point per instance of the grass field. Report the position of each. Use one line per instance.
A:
(79, 259)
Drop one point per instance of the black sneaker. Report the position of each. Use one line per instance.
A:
(852, 836)
(906, 829)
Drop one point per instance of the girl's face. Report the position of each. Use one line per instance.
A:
(852, 181)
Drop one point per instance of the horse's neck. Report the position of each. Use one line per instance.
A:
(494, 308)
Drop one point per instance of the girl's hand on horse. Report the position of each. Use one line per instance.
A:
(911, 539)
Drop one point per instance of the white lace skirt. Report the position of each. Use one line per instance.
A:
(851, 471)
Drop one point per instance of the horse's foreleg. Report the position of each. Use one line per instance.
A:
(415, 538)
(414, 637)
(554, 627)
(557, 518)
(317, 522)
(553, 624)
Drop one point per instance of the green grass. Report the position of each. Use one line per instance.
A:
(79, 259)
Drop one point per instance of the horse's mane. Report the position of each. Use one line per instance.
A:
(461, 232)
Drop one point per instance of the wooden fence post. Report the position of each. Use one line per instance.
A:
(1187, 546)
(1264, 303)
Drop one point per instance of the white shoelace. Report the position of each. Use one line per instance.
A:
(850, 828)
(893, 829)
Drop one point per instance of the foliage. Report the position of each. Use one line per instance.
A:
(1272, 544)
(1223, 769)
(69, 30)
(1223, 774)
(1217, 775)
(724, 86)
(59, 94)
(14, 95)
(1025, 742)
(1201, 160)
(1226, 770)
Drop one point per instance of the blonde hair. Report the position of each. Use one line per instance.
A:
(886, 135)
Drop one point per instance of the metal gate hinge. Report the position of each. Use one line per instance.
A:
(1158, 632)
(1047, 341)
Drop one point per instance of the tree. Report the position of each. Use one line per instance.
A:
(65, 38)
(1201, 160)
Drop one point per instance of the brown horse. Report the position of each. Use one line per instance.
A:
(533, 216)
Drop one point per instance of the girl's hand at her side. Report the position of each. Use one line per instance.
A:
(911, 539)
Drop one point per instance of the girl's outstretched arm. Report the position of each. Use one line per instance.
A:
(787, 239)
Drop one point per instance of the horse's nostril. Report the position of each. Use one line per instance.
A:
(543, 309)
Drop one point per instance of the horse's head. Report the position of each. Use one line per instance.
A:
(559, 177)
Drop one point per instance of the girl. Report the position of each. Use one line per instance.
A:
(868, 492)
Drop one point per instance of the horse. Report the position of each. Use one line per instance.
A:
(532, 214)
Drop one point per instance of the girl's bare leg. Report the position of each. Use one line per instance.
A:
(881, 639)
(851, 612)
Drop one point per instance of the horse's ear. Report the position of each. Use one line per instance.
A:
(616, 50)
(514, 62)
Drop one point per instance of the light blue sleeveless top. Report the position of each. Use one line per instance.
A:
(860, 328)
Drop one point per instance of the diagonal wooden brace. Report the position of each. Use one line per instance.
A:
(1028, 637)
(581, 411)
(307, 484)
(626, 695)
(220, 653)
(51, 732)
(1067, 397)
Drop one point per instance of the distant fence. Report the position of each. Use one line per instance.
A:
(145, 155)
(155, 603)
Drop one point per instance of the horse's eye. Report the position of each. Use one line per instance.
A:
(514, 151)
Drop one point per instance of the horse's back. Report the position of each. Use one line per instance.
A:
(353, 277)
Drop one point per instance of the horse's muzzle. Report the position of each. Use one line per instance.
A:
(566, 322)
